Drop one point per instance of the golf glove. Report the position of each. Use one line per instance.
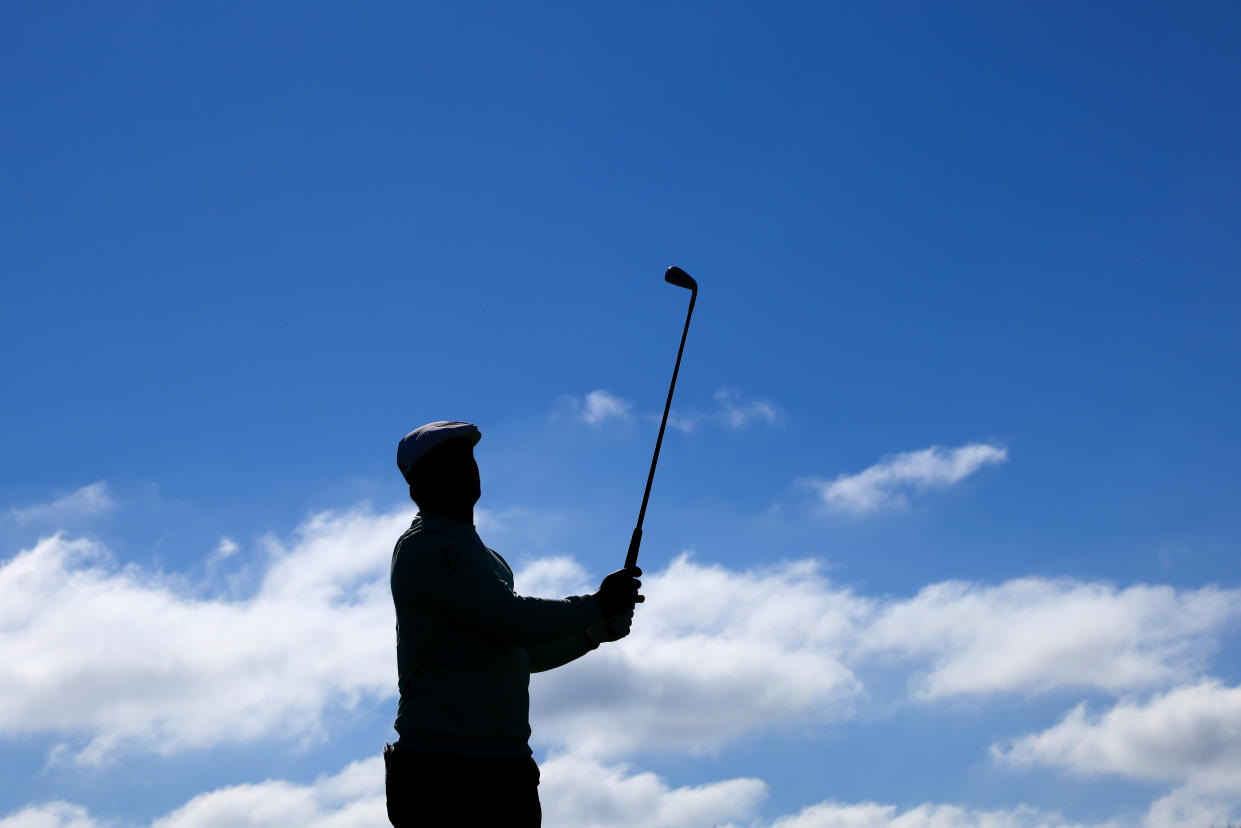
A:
(612, 628)
(619, 592)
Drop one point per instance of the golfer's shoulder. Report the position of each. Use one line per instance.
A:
(421, 545)
(421, 539)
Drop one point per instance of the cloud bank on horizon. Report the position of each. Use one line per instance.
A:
(121, 661)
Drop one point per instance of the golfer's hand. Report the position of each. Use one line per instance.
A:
(619, 592)
(612, 628)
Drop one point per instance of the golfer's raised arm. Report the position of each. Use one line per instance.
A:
(439, 575)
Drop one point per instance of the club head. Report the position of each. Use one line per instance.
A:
(677, 276)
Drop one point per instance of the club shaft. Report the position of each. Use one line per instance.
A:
(631, 558)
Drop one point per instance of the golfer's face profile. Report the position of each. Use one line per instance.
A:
(452, 473)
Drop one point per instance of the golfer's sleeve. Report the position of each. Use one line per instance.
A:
(473, 596)
(552, 654)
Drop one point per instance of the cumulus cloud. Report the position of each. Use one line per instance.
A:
(715, 653)
(1188, 806)
(1034, 634)
(87, 502)
(553, 577)
(888, 483)
(50, 815)
(580, 793)
(576, 793)
(1182, 808)
(876, 815)
(129, 660)
(353, 797)
(1189, 734)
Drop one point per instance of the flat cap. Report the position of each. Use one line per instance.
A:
(426, 437)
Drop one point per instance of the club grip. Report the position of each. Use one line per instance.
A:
(631, 557)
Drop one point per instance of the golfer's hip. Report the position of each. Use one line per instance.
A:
(427, 788)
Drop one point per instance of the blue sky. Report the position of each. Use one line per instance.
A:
(953, 451)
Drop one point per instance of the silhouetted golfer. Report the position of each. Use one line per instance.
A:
(466, 645)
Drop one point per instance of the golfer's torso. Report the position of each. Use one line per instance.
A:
(461, 690)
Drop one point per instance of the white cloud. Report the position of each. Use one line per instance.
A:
(1190, 807)
(86, 502)
(133, 661)
(130, 660)
(715, 654)
(225, 549)
(50, 815)
(552, 578)
(734, 412)
(575, 793)
(353, 797)
(888, 483)
(1189, 734)
(731, 411)
(1034, 634)
(580, 793)
(600, 405)
(594, 408)
(929, 815)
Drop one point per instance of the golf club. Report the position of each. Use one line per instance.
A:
(674, 276)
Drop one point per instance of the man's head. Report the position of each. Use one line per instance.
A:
(437, 461)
